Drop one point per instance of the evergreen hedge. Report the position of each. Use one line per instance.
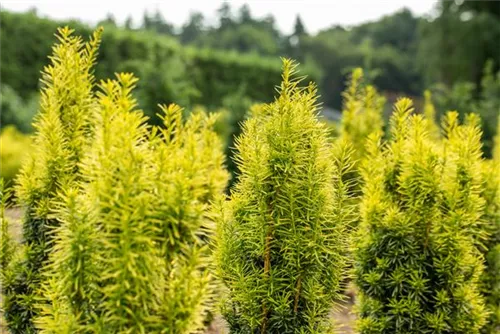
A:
(209, 75)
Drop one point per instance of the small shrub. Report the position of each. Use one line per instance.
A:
(488, 241)
(417, 265)
(361, 117)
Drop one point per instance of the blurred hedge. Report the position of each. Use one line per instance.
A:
(15, 110)
(168, 72)
(13, 148)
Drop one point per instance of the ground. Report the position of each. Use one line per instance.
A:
(342, 316)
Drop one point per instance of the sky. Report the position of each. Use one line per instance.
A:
(315, 14)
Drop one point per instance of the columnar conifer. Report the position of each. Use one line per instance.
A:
(280, 239)
(62, 131)
(417, 264)
(130, 255)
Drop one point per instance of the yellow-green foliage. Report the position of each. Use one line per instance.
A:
(14, 147)
(489, 239)
(496, 148)
(62, 130)
(430, 116)
(280, 239)
(361, 113)
(191, 159)
(491, 194)
(131, 254)
(417, 265)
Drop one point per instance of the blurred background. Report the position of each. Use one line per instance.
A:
(224, 56)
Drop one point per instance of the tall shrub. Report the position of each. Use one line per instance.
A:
(130, 255)
(62, 130)
(280, 239)
(417, 265)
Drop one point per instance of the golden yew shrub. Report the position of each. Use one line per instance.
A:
(63, 128)
(417, 265)
(489, 235)
(116, 232)
(130, 256)
(280, 242)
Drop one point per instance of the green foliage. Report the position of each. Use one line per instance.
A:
(115, 233)
(361, 113)
(417, 265)
(490, 239)
(14, 148)
(496, 149)
(429, 112)
(463, 97)
(491, 277)
(130, 255)
(171, 73)
(361, 118)
(281, 238)
(62, 130)
(7, 244)
(15, 111)
(456, 44)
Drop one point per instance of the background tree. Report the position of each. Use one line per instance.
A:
(129, 23)
(193, 29)
(245, 16)
(108, 21)
(224, 16)
(450, 43)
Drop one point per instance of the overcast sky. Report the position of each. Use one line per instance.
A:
(315, 14)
